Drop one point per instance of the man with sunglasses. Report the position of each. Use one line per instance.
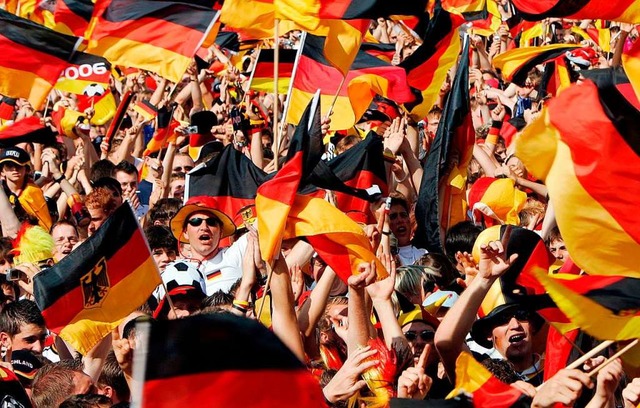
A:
(201, 225)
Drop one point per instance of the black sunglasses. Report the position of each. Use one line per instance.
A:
(186, 169)
(425, 335)
(196, 222)
(521, 315)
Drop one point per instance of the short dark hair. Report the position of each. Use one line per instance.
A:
(85, 401)
(160, 236)
(126, 167)
(6, 246)
(399, 199)
(112, 376)
(102, 168)
(219, 298)
(441, 271)
(460, 237)
(554, 235)
(165, 208)
(19, 313)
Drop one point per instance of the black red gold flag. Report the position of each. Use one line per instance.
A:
(262, 75)
(617, 10)
(26, 130)
(368, 75)
(218, 378)
(33, 58)
(158, 36)
(442, 190)
(73, 16)
(86, 295)
(592, 176)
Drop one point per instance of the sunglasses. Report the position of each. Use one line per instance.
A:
(186, 169)
(196, 222)
(425, 335)
(520, 315)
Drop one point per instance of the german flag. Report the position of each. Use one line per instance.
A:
(594, 172)
(86, 74)
(27, 130)
(496, 201)
(308, 13)
(361, 167)
(382, 51)
(166, 127)
(275, 198)
(438, 208)
(427, 67)
(606, 307)
(617, 10)
(368, 75)
(218, 378)
(7, 108)
(102, 101)
(515, 64)
(33, 58)
(262, 75)
(231, 178)
(158, 36)
(146, 109)
(73, 16)
(86, 295)
(486, 390)
(486, 21)
(250, 18)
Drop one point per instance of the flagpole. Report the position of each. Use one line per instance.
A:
(590, 354)
(613, 357)
(290, 90)
(276, 58)
(335, 98)
(266, 288)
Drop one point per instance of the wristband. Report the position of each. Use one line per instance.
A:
(241, 303)
(387, 233)
(240, 308)
(59, 179)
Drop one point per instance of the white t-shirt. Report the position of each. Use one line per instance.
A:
(409, 254)
(224, 269)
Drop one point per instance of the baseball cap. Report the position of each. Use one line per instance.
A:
(25, 365)
(15, 155)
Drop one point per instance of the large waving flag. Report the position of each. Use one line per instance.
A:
(85, 75)
(86, 295)
(442, 192)
(486, 390)
(593, 176)
(606, 307)
(73, 16)
(32, 58)
(617, 10)
(218, 378)
(427, 67)
(275, 198)
(368, 75)
(262, 74)
(515, 64)
(26, 130)
(158, 36)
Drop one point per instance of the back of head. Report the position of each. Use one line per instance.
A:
(461, 237)
(160, 236)
(102, 168)
(440, 269)
(86, 401)
(101, 197)
(52, 385)
(112, 376)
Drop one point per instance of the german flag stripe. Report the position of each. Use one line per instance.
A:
(30, 85)
(89, 326)
(515, 64)
(266, 84)
(180, 340)
(190, 16)
(631, 65)
(56, 282)
(166, 63)
(146, 109)
(616, 293)
(617, 10)
(80, 8)
(314, 46)
(36, 38)
(384, 52)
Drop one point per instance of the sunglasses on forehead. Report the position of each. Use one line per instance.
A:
(196, 221)
(425, 335)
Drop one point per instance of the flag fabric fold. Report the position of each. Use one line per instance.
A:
(617, 10)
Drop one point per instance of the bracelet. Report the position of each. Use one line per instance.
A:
(59, 179)
(240, 308)
(387, 233)
(242, 303)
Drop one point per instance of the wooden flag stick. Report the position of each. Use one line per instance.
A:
(266, 289)
(335, 98)
(613, 357)
(590, 354)
(276, 59)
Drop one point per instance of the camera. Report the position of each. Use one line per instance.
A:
(14, 274)
(191, 130)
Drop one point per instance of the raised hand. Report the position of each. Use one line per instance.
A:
(347, 380)
(493, 260)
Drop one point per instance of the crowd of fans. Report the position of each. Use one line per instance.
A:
(425, 312)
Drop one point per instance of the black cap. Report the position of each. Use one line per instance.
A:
(204, 120)
(15, 155)
(25, 365)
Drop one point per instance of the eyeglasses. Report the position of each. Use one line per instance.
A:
(521, 315)
(426, 335)
(185, 169)
(196, 222)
